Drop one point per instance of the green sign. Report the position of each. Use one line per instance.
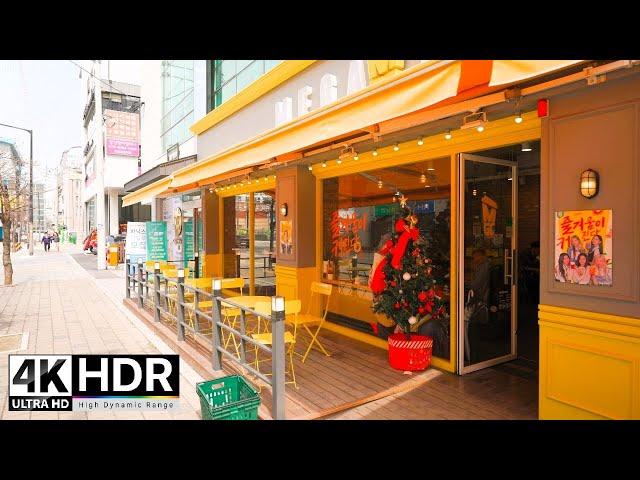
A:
(384, 210)
(157, 241)
(187, 241)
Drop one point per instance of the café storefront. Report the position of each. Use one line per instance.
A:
(487, 154)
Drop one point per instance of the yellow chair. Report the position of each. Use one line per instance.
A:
(318, 290)
(291, 308)
(190, 300)
(230, 314)
(170, 271)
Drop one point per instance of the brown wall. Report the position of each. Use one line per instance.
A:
(210, 221)
(596, 127)
(297, 188)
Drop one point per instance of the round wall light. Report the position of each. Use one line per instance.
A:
(589, 183)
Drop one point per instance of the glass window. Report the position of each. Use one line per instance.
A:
(359, 214)
(177, 94)
(228, 77)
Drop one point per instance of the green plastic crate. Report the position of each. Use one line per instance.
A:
(228, 398)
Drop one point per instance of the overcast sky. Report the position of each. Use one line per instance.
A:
(43, 96)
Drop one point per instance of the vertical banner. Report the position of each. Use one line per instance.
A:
(136, 241)
(157, 241)
(187, 239)
(584, 247)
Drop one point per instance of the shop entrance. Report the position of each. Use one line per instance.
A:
(499, 279)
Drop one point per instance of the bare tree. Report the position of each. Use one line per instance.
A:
(14, 201)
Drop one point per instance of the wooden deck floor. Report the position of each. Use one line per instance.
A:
(356, 382)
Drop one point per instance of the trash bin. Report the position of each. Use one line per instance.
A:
(228, 398)
(112, 256)
(73, 237)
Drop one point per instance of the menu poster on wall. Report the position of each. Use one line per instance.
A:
(157, 241)
(122, 133)
(584, 247)
(135, 246)
(286, 237)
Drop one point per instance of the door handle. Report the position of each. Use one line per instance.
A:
(508, 266)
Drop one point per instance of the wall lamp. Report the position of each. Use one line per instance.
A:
(589, 183)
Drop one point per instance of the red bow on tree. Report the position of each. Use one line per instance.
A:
(407, 233)
(377, 282)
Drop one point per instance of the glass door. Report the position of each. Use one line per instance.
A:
(487, 287)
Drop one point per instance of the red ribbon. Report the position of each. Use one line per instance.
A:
(408, 233)
(377, 282)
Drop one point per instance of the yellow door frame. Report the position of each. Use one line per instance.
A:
(496, 134)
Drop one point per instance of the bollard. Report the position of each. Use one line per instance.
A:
(216, 333)
(140, 285)
(156, 291)
(127, 277)
(277, 356)
(181, 304)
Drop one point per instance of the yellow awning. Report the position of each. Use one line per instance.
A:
(416, 88)
(148, 192)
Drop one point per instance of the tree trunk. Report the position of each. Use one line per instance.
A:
(6, 253)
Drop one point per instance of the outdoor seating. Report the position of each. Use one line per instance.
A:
(291, 308)
(318, 291)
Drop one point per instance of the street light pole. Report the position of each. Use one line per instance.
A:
(30, 182)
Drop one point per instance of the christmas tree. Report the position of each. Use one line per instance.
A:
(403, 282)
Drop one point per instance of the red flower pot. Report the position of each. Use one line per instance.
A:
(410, 354)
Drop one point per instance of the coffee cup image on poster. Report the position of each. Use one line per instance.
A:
(584, 247)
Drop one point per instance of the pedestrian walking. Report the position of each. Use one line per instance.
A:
(46, 239)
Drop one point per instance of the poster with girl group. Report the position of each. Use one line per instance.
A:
(584, 247)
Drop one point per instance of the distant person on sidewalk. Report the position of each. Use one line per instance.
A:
(46, 239)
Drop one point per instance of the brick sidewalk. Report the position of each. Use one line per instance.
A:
(66, 310)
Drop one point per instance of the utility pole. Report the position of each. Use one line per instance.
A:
(30, 182)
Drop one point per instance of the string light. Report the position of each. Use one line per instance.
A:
(379, 183)
(447, 136)
(480, 128)
(423, 178)
(310, 167)
(356, 156)
(396, 147)
(421, 141)
(324, 164)
(518, 118)
(339, 161)
(375, 152)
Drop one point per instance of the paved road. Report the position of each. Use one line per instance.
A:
(68, 308)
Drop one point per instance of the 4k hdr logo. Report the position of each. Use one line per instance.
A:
(82, 382)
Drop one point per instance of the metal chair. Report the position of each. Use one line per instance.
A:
(291, 308)
(318, 290)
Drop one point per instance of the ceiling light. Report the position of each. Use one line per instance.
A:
(310, 167)
(447, 136)
(324, 164)
(526, 147)
(510, 178)
(423, 178)
(474, 192)
(396, 147)
(474, 120)
(421, 141)
(427, 186)
(430, 168)
(375, 152)
(518, 118)
(379, 183)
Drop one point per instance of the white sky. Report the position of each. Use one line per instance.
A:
(43, 96)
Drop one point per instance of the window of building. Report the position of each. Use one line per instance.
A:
(240, 260)
(359, 212)
(177, 101)
(228, 77)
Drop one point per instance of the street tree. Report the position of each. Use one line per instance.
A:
(14, 201)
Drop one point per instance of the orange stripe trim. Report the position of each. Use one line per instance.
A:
(474, 73)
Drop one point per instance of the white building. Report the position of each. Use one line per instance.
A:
(111, 132)
(68, 208)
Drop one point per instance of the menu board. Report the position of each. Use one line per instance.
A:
(156, 241)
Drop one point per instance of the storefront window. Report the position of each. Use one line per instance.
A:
(257, 264)
(359, 212)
